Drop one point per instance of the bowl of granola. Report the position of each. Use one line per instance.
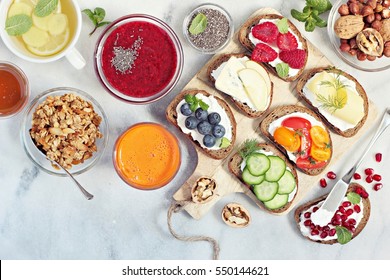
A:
(67, 126)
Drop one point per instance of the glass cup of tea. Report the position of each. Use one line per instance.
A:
(52, 34)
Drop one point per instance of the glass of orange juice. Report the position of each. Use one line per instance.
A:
(147, 156)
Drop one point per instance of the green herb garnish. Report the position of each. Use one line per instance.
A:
(334, 101)
(224, 143)
(248, 147)
(282, 25)
(354, 198)
(343, 235)
(45, 7)
(310, 14)
(198, 24)
(195, 102)
(18, 24)
(97, 17)
(282, 69)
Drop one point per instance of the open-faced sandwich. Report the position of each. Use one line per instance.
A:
(245, 81)
(277, 43)
(267, 172)
(347, 222)
(300, 134)
(337, 97)
(206, 119)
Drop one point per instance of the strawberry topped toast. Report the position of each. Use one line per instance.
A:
(275, 42)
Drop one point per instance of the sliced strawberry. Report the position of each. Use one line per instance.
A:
(266, 32)
(287, 41)
(296, 59)
(263, 53)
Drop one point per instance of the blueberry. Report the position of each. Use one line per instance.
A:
(185, 109)
(209, 140)
(214, 118)
(218, 131)
(201, 114)
(204, 128)
(191, 122)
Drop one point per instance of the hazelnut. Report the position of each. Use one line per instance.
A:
(385, 13)
(370, 18)
(376, 24)
(378, 8)
(371, 57)
(367, 10)
(386, 51)
(352, 43)
(361, 56)
(354, 8)
(371, 3)
(353, 52)
(344, 47)
(378, 16)
(386, 3)
(385, 30)
(387, 44)
(343, 10)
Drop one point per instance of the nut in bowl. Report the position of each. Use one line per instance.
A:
(360, 33)
(67, 126)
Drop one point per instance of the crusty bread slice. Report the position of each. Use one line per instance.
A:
(235, 168)
(245, 109)
(245, 30)
(286, 110)
(309, 74)
(171, 116)
(366, 213)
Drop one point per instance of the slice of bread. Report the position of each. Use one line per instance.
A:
(245, 30)
(360, 90)
(244, 108)
(287, 110)
(235, 168)
(171, 116)
(352, 188)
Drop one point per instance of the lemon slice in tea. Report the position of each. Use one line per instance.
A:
(57, 24)
(41, 22)
(36, 37)
(55, 45)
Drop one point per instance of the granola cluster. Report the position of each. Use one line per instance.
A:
(65, 128)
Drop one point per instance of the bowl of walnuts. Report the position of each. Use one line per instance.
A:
(66, 125)
(359, 31)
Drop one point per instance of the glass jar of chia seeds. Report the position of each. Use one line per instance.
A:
(218, 28)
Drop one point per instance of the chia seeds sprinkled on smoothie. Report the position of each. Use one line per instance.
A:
(216, 32)
(124, 59)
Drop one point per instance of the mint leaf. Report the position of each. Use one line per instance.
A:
(354, 198)
(282, 25)
(189, 98)
(18, 24)
(99, 14)
(203, 105)
(282, 69)
(193, 106)
(343, 235)
(45, 7)
(90, 15)
(224, 143)
(198, 24)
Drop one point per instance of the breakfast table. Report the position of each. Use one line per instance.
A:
(45, 217)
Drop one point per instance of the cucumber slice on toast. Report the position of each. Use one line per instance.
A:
(276, 170)
(250, 179)
(266, 190)
(286, 183)
(277, 202)
(257, 164)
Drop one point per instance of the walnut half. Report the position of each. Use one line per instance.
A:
(235, 215)
(203, 190)
(370, 42)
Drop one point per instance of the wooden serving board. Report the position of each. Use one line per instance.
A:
(247, 128)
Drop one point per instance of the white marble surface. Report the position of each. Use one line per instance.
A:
(45, 217)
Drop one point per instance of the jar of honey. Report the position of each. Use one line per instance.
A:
(14, 89)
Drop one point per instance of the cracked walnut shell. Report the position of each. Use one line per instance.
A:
(370, 42)
(235, 215)
(203, 190)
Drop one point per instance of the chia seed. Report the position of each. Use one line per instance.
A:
(124, 59)
(216, 32)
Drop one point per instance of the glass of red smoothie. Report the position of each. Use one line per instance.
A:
(138, 59)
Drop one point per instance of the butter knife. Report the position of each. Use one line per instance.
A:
(327, 210)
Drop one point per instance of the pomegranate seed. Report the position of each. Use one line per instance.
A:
(326, 228)
(336, 222)
(364, 194)
(357, 176)
(352, 229)
(307, 223)
(346, 204)
(332, 232)
(315, 209)
(359, 190)
(324, 235)
(323, 183)
(352, 222)
(357, 208)
(369, 179)
(344, 217)
(331, 175)
(378, 186)
(369, 171)
(337, 218)
(312, 226)
(378, 157)
(377, 177)
(345, 224)
(342, 210)
(315, 232)
(307, 215)
(349, 212)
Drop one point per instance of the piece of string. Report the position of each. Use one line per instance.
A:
(176, 207)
